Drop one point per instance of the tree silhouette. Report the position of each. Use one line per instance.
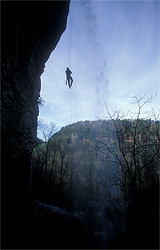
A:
(136, 154)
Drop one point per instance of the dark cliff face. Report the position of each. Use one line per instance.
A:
(30, 32)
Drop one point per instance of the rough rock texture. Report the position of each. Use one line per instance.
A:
(30, 32)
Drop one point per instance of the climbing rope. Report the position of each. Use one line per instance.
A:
(70, 38)
(70, 107)
(70, 46)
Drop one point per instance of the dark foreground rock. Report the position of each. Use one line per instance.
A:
(41, 226)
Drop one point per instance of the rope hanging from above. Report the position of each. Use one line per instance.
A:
(69, 79)
(70, 44)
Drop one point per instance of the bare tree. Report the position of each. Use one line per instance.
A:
(51, 161)
(136, 147)
(47, 131)
(135, 152)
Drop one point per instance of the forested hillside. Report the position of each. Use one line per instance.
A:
(108, 172)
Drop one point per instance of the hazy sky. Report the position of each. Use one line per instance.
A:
(113, 51)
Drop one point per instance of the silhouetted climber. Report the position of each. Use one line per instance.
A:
(69, 79)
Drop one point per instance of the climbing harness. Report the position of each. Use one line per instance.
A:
(69, 79)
